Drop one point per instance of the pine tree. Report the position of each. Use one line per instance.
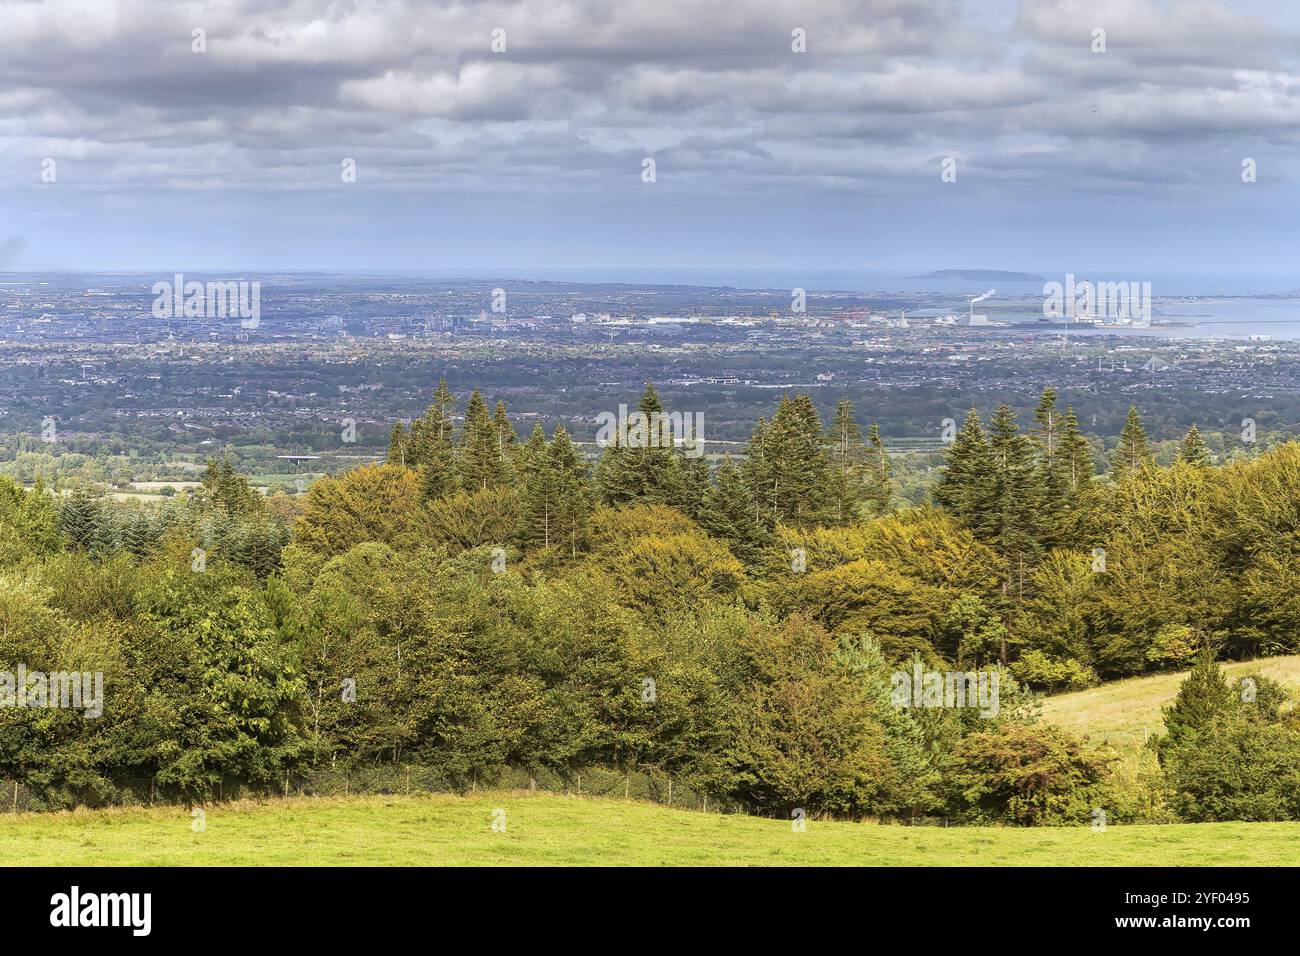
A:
(80, 518)
(1048, 440)
(728, 512)
(848, 464)
(1202, 698)
(397, 445)
(965, 488)
(639, 466)
(431, 448)
(572, 508)
(505, 434)
(554, 508)
(1077, 467)
(1193, 451)
(1133, 451)
(481, 464)
(1015, 524)
(880, 487)
(788, 470)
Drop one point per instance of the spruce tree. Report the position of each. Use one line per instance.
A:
(481, 464)
(965, 487)
(569, 474)
(880, 487)
(848, 464)
(638, 465)
(397, 445)
(1077, 467)
(1192, 451)
(80, 517)
(554, 509)
(1202, 698)
(431, 448)
(728, 512)
(532, 455)
(691, 478)
(1133, 451)
(789, 471)
(1047, 436)
(505, 433)
(538, 525)
(1015, 524)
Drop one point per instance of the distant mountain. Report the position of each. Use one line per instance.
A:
(990, 275)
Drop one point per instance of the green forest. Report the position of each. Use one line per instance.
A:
(482, 602)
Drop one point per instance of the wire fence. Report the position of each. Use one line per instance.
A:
(16, 796)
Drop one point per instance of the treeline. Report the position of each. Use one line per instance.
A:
(479, 601)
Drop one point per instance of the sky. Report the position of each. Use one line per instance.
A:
(785, 135)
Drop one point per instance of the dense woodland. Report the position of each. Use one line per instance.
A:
(483, 601)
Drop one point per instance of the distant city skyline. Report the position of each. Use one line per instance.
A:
(129, 142)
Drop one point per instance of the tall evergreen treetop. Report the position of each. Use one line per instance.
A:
(1133, 450)
(1192, 451)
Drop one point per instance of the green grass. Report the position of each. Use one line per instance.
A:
(1126, 712)
(547, 829)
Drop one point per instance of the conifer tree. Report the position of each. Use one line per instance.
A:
(691, 476)
(788, 469)
(140, 533)
(728, 512)
(481, 464)
(397, 445)
(639, 465)
(1202, 698)
(1016, 524)
(879, 485)
(572, 509)
(430, 446)
(848, 464)
(1077, 467)
(533, 453)
(554, 509)
(965, 488)
(1048, 441)
(1192, 451)
(505, 432)
(1133, 450)
(80, 518)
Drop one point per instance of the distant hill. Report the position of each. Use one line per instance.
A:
(982, 275)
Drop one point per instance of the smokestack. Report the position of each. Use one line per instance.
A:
(979, 298)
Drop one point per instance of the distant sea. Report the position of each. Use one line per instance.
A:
(1222, 307)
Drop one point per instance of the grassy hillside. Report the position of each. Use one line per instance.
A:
(550, 829)
(1126, 711)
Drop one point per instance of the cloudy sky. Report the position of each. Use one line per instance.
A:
(470, 158)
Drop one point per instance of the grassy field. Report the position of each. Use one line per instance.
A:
(542, 829)
(1126, 712)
